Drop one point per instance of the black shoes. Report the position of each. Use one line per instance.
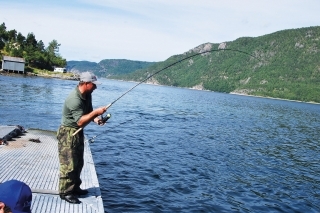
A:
(70, 198)
(80, 191)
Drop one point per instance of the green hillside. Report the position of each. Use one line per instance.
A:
(83, 66)
(286, 64)
(108, 67)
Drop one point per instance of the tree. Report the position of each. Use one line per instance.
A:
(40, 46)
(16, 52)
(53, 48)
(3, 35)
(21, 39)
(31, 40)
(53, 56)
(12, 35)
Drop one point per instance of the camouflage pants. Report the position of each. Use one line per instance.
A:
(71, 159)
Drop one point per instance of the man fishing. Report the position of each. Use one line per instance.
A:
(77, 112)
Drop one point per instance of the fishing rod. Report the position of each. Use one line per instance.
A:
(168, 66)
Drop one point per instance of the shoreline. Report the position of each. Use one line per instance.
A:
(231, 93)
(76, 78)
(281, 99)
(44, 75)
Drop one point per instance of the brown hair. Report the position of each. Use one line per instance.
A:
(7, 209)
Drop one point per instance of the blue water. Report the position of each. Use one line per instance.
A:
(169, 149)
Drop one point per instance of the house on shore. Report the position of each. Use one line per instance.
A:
(60, 69)
(13, 64)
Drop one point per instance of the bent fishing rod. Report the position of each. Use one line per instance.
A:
(168, 66)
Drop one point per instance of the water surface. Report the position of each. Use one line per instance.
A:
(169, 149)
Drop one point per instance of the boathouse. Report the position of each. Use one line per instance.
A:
(13, 64)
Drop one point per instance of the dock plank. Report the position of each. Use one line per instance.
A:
(37, 165)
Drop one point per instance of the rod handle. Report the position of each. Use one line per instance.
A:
(76, 132)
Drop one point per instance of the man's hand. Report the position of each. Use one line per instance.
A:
(99, 121)
(100, 110)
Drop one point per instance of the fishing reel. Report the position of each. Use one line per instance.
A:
(103, 121)
(105, 118)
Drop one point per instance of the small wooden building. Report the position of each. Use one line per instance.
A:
(13, 64)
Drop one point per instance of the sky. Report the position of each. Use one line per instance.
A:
(150, 30)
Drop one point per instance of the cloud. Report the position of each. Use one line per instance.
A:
(151, 30)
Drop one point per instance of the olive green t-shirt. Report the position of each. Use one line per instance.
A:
(74, 107)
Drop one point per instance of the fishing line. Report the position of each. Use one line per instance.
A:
(91, 140)
(168, 66)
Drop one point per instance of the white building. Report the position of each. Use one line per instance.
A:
(60, 69)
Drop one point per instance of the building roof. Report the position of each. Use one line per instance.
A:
(16, 59)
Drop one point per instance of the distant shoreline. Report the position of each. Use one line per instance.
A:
(282, 99)
(231, 93)
(44, 75)
(75, 78)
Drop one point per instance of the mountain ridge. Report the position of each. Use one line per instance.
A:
(289, 66)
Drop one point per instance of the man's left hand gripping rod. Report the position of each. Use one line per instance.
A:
(76, 132)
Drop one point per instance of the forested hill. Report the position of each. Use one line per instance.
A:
(286, 64)
(108, 67)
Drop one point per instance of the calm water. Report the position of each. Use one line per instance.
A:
(177, 150)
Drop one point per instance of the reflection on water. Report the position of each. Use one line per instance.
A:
(176, 150)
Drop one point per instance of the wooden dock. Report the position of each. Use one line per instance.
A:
(37, 165)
